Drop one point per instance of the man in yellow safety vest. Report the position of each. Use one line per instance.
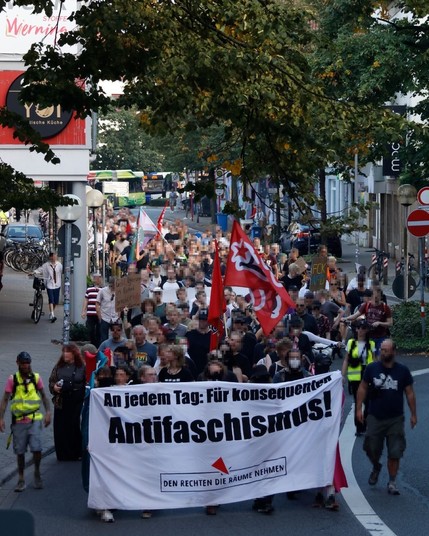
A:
(25, 391)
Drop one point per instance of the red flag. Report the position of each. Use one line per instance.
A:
(161, 219)
(217, 303)
(245, 268)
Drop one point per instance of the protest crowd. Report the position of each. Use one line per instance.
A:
(216, 306)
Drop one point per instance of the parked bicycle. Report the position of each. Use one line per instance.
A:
(378, 271)
(37, 303)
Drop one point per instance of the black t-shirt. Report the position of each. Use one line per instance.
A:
(172, 236)
(310, 323)
(386, 389)
(355, 299)
(238, 360)
(198, 348)
(290, 282)
(184, 375)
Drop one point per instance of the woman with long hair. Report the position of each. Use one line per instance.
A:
(175, 371)
(67, 385)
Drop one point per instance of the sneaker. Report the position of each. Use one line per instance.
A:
(373, 477)
(38, 483)
(20, 486)
(392, 489)
(107, 516)
(53, 319)
(331, 504)
(146, 514)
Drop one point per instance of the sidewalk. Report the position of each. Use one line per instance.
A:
(19, 333)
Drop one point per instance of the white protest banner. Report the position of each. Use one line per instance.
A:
(172, 445)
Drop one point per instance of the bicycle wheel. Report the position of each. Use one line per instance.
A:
(374, 274)
(416, 276)
(37, 307)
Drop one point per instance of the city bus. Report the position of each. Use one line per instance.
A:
(158, 183)
(122, 187)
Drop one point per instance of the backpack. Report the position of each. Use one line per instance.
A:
(367, 305)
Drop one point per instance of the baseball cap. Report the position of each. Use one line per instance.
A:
(309, 294)
(23, 357)
(157, 289)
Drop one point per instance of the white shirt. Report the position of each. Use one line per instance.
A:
(52, 274)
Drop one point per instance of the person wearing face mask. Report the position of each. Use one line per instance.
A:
(383, 385)
(294, 369)
(300, 340)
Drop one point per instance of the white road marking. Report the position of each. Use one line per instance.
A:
(353, 495)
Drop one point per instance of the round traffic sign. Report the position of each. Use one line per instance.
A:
(418, 222)
(423, 196)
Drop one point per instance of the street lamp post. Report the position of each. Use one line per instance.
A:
(94, 200)
(407, 195)
(68, 214)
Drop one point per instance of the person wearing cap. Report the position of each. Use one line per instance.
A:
(89, 310)
(360, 351)
(116, 339)
(25, 390)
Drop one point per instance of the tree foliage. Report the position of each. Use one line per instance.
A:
(278, 88)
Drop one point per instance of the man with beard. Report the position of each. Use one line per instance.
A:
(383, 385)
(26, 393)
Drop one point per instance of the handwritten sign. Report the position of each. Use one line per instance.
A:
(127, 292)
(318, 273)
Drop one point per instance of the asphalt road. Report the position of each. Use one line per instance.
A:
(61, 505)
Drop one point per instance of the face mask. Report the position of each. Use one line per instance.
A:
(105, 382)
(294, 363)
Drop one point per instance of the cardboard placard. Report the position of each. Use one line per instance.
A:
(127, 292)
(300, 261)
(318, 273)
